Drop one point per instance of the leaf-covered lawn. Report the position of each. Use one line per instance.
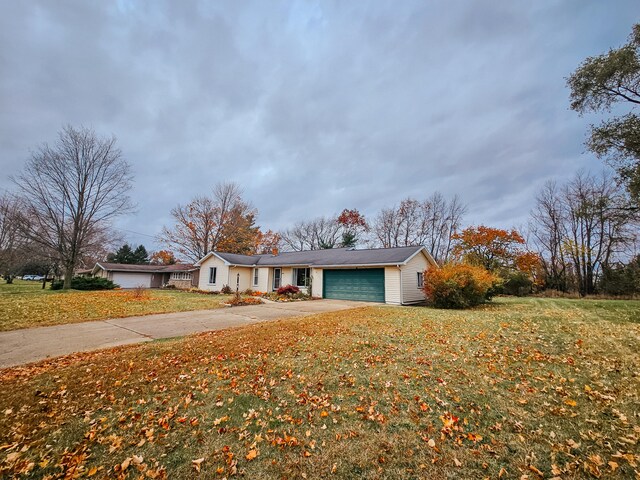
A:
(523, 389)
(25, 304)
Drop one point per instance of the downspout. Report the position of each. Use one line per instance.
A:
(401, 294)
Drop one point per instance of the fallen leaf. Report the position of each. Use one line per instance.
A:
(197, 463)
(251, 455)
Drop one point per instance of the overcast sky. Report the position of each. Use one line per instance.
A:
(311, 107)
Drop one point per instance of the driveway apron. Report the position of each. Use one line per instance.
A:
(18, 347)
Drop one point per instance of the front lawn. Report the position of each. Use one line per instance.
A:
(522, 389)
(25, 304)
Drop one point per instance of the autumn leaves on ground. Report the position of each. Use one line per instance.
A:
(521, 389)
(25, 304)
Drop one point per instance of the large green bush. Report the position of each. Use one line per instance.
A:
(518, 284)
(458, 285)
(86, 283)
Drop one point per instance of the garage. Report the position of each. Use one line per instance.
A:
(131, 279)
(364, 284)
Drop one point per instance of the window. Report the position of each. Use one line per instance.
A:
(212, 274)
(301, 277)
(277, 278)
(255, 277)
(420, 279)
(181, 276)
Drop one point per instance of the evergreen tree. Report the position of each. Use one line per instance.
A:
(125, 254)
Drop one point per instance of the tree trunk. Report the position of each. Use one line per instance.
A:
(68, 275)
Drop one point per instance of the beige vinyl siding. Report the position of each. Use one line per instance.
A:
(287, 276)
(316, 282)
(222, 275)
(244, 278)
(410, 291)
(263, 280)
(392, 285)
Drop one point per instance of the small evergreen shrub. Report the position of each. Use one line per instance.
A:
(458, 285)
(86, 283)
(226, 290)
(92, 283)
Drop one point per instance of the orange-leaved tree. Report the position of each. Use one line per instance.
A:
(530, 264)
(222, 221)
(503, 253)
(491, 248)
(267, 242)
(163, 257)
(353, 223)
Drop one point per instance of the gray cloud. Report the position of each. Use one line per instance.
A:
(312, 107)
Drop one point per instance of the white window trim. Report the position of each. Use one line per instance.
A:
(213, 270)
(294, 279)
(273, 285)
(420, 279)
(181, 276)
(256, 277)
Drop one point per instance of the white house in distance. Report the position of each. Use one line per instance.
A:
(390, 275)
(126, 275)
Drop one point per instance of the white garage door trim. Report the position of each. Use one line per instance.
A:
(132, 280)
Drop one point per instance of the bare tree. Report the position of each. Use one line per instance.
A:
(12, 242)
(598, 222)
(220, 221)
(320, 233)
(548, 231)
(441, 219)
(581, 228)
(72, 190)
(430, 222)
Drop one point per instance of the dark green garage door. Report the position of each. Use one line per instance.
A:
(365, 284)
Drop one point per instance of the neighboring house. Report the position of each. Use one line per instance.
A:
(148, 276)
(85, 272)
(391, 275)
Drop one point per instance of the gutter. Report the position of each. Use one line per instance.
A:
(401, 293)
(367, 265)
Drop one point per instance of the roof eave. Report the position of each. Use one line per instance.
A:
(426, 253)
(384, 264)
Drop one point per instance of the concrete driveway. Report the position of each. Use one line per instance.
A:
(18, 347)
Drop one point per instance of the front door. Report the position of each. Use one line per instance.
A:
(277, 278)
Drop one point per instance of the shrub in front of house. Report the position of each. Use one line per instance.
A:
(86, 283)
(288, 290)
(226, 289)
(458, 285)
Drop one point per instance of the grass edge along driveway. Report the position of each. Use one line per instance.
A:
(25, 304)
(520, 389)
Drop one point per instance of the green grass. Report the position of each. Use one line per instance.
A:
(523, 388)
(25, 304)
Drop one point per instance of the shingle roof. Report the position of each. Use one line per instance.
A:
(326, 258)
(127, 267)
(237, 259)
